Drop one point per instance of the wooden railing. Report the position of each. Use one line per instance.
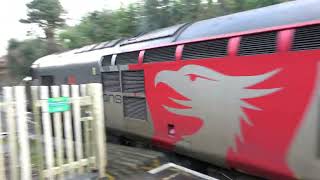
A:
(67, 143)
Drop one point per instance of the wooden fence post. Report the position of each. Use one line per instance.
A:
(95, 91)
(68, 129)
(11, 126)
(2, 155)
(47, 131)
(86, 124)
(58, 133)
(77, 124)
(37, 120)
(21, 114)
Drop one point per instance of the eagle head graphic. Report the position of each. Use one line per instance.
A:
(216, 98)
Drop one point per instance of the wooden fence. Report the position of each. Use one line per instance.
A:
(66, 143)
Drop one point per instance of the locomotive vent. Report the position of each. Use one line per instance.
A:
(135, 107)
(160, 54)
(262, 43)
(307, 38)
(127, 58)
(133, 81)
(111, 81)
(206, 49)
(106, 60)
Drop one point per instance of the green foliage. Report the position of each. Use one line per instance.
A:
(101, 26)
(233, 6)
(21, 54)
(148, 16)
(47, 14)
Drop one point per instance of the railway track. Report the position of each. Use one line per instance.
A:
(124, 161)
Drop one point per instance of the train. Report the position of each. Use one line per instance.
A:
(239, 91)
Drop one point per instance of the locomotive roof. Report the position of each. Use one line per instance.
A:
(276, 15)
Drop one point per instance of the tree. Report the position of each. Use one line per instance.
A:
(233, 6)
(127, 23)
(47, 14)
(137, 18)
(101, 26)
(21, 55)
(155, 15)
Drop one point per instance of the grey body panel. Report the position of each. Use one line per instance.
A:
(83, 73)
(303, 155)
(115, 110)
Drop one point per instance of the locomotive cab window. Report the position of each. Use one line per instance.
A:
(106, 60)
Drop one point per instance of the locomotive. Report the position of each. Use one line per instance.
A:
(239, 91)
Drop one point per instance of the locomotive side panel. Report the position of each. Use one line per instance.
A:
(68, 74)
(125, 104)
(236, 112)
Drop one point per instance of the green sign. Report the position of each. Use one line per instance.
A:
(59, 104)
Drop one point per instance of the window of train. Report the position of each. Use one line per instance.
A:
(205, 49)
(106, 60)
(262, 43)
(160, 54)
(127, 58)
(307, 38)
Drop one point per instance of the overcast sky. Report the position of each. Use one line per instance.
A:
(11, 11)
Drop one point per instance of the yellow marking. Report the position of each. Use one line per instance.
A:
(110, 177)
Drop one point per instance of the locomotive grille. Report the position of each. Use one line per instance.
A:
(307, 38)
(263, 43)
(206, 49)
(111, 81)
(160, 54)
(127, 58)
(106, 60)
(133, 81)
(135, 108)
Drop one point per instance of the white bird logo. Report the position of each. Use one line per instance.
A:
(216, 98)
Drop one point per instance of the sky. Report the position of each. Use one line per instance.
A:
(11, 11)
